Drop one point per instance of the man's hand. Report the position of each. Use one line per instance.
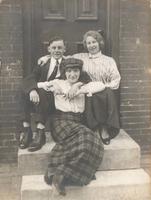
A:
(34, 97)
(45, 85)
(43, 60)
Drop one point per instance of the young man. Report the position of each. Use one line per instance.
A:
(34, 96)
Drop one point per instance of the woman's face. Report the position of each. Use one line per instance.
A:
(92, 45)
(72, 75)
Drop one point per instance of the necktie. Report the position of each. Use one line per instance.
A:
(54, 73)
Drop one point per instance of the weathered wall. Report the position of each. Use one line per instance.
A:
(135, 65)
(10, 75)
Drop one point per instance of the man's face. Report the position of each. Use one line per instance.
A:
(56, 49)
(72, 74)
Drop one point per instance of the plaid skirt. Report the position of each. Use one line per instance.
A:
(78, 151)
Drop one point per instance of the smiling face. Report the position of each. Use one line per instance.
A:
(92, 45)
(56, 49)
(72, 74)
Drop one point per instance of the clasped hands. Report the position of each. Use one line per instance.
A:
(56, 89)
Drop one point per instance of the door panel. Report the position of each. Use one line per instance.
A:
(70, 19)
(54, 9)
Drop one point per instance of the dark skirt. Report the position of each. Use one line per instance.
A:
(78, 151)
(101, 110)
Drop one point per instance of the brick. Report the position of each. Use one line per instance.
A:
(134, 107)
(138, 119)
(8, 158)
(6, 136)
(8, 149)
(8, 129)
(134, 125)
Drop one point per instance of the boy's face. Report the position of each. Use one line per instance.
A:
(56, 49)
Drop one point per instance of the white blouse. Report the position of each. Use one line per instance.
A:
(100, 68)
(77, 104)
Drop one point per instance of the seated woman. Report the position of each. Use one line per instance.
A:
(101, 109)
(78, 151)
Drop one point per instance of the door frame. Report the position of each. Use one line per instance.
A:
(112, 31)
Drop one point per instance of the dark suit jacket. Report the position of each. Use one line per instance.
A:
(39, 74)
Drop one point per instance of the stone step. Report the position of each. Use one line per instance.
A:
(122, 153)
(109, 185)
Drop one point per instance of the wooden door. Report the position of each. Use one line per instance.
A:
(43, 19)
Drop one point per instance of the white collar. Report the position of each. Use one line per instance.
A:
(97, 55)
(53, 60)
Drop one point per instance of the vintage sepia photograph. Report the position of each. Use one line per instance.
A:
(75, 99)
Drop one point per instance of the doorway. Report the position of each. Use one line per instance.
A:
(42, 19)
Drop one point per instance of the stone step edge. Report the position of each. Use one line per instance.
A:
(103, 179)
(122, 135)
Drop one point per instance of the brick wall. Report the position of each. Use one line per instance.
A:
(10, 76)
(135, 66)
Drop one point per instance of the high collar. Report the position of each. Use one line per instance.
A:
(97, 55)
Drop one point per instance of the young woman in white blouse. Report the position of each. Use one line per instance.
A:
(78, 151)
(101, 110)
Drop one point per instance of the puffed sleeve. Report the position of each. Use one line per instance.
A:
(113, 75)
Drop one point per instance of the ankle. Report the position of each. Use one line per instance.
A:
(104, 133)
(40, 126)
(26, 124)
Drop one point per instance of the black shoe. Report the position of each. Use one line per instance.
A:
(25, 138)
(48, 177)
(113, 132)
(58, 182)
(105, 139)
(38, 141)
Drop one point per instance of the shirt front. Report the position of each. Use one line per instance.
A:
(52, 66)
(76, 105)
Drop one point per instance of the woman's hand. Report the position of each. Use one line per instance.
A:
(73, 91)
(82, 90)
(56, 89)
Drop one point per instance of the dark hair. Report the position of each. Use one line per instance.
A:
(84, 77)
(56, 38)
(63, 71)
(96, 35)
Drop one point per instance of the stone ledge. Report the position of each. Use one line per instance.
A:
(122, 153)
(109, 185)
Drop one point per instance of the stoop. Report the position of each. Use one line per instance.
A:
(122, 153)
(109, 185)
(118, 178)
